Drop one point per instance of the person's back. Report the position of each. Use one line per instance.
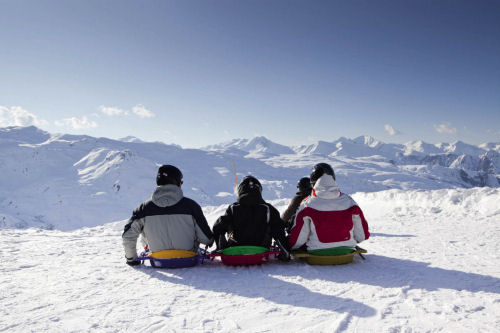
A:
(328, 219)
(168, 220)
(250, 220)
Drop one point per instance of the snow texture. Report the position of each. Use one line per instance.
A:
(432, 263)
(432, 266)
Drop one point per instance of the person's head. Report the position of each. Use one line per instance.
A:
(168, 174)
(249, 184)
(304, 185)
(319, 170)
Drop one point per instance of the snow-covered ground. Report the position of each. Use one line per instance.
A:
(433, 265)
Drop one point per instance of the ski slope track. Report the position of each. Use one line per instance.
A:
(432, 266)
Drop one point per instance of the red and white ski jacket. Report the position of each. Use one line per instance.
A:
(328, 219)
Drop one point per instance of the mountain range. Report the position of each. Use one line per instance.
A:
(67, 181)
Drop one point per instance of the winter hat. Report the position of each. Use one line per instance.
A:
(319, 170)
(304, 184)
(249, 184)
(168, 174)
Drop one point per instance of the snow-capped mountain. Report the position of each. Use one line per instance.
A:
(68, 181)
(256, 147)
(490, 146)
(131, 138)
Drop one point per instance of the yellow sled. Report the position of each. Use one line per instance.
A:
(169, 254)
(329, 260)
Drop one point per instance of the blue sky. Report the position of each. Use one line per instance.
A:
(201, 72)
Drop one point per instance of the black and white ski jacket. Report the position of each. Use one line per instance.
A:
(167, 221)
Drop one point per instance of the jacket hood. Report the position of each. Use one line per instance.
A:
(326, 188)
(167, 195)
(251, 198)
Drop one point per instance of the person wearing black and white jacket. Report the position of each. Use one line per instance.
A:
(168, 220)
(251, 221)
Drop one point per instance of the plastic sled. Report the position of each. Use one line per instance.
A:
(171, 258)
(244, 255)
(329, 260)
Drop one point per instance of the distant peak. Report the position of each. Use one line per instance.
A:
(131, 138)
(27, 134)
(259, 139)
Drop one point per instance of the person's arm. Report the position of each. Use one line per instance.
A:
(291, 209)
(299, 234)
(131, 232)
(360, 231)
(278, 233)
(203, 233)
(221, 226)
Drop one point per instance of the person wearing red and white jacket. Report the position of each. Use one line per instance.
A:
(329, 222)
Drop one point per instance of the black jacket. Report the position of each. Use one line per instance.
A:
(289, 214)
(250, 221)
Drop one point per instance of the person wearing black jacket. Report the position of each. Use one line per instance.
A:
(251, 221)
(304, 190)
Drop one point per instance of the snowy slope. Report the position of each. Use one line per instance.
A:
(44, 176)
(432, 266)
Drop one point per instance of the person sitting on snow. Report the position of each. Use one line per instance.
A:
(168, 220)
(251, 221)
(304, 190)
(329, 222)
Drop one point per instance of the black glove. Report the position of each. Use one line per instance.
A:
(284, 256)
(133, 262)
(285, 252)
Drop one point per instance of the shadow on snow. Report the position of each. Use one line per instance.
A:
(374, 234)
(386, 272)
(256, 282)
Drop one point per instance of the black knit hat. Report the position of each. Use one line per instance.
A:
(319, 170)
(304, 184)
(168, 174)
(249, 184)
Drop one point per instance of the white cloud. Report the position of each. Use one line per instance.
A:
(389, 129)
(17, 116)
(445, 129)
(142, 112)
(112, 111)
(76, 123)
